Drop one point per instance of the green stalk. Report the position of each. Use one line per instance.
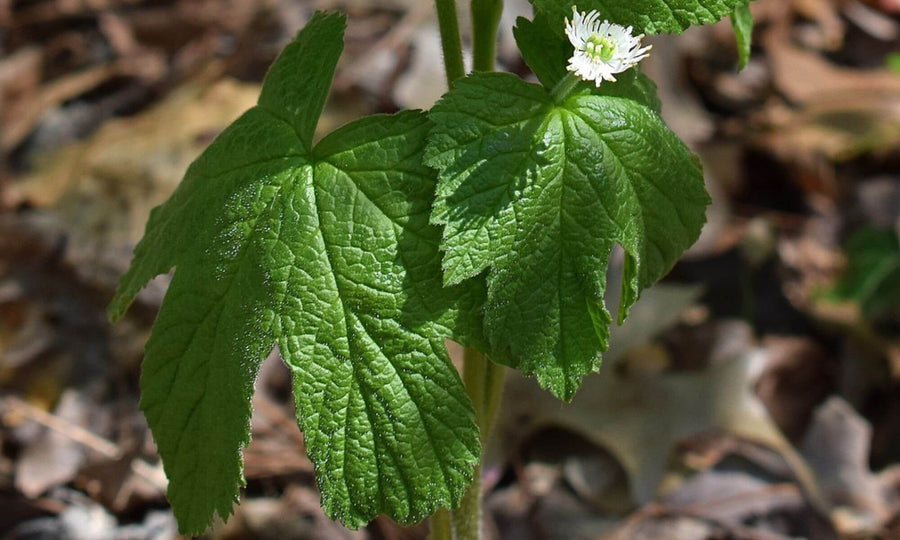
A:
(440, 526)
(495, 376)
(485, 22)
(564, 87)
(451, 43)
(483, 379)
(484, 384)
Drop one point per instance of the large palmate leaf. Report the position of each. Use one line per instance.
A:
(645, 16)
(539, 192)
(327, 251)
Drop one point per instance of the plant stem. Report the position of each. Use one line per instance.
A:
(565, 87)
(467, 518)
(485, 22)
(451, 43)
(483, 379)
(484, 384)
(440, 526)
(495, 376)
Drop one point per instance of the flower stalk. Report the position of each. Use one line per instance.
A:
(451, 43)
(485, 23)
(565, 87)
(484, 384)
(483, 378)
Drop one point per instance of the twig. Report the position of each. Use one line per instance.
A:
(64, 427)
(82, 436)
(656, 510)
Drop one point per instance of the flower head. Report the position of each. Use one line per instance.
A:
(602, 48)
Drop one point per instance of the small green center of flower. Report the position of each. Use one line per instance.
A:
(600, 48)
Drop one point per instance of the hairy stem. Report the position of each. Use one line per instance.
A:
(485, 22)
(483, 379)
(451, 43)
(484, 384)
(440, 526)
(564, 87)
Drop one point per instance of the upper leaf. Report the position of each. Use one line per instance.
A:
(645, 16)
(545, 52)
(327, 252)
(539, 193)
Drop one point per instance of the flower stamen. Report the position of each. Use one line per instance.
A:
(599, 48)
(602, 48)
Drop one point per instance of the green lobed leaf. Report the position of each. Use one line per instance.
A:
(328, 252)
(645, 16)
(742, 22)
(539, 192)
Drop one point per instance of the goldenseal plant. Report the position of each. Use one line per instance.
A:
(488, 220)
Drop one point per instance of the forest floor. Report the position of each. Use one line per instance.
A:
(753, 394)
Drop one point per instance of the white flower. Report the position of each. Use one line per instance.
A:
(602, 49)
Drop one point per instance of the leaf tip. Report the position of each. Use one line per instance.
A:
(115, 309)
(120, 302)
(563, 390)
(451, 277)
